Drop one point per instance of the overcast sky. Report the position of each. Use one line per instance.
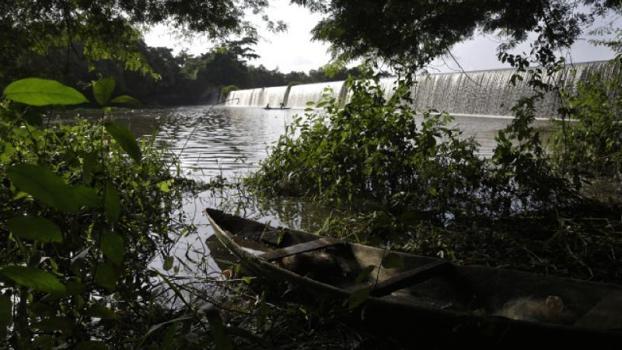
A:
(294, 51)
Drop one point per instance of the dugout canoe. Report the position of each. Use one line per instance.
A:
(414, 295)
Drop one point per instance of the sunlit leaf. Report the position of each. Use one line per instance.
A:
(43, 92)
(112, 247)
(102, 90)
(165, 186)
(35, 228)
(125, 100)
(125, 139)
(107, 275)
(34, 278)
(112, 204)
(168, 263)
(393, 261)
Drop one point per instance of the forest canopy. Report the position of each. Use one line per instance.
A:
(412, 33)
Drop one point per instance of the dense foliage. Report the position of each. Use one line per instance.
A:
(417, 184)
(107, 30)
(85, 209)
(412, 33)
(589, 143)
(374, 149)
(179, 79)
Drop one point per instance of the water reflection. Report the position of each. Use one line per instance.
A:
(229, 142)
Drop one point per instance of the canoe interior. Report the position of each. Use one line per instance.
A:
(469, 289)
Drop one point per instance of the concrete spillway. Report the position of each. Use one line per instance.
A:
(482, 92)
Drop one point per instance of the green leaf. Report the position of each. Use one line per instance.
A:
(35, 228)
(6, 316)
(393, 261)
(51, 189)
(86, 196)
(112, 204)
(43, 92)
(102, 90)
(106, 276)
(125, 100)
(112, 247)
(165, 186)
(357, 298)
(90, 165)
(125, 139)
(74, 288)
(168, 263)
(34, 278)
(44, 186)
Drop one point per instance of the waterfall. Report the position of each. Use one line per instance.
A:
(491, 92)
(245, 98)
(387, 85)
(473, 93)
(299, 95)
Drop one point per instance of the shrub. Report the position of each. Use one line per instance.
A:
(84, 210)
(374, 149)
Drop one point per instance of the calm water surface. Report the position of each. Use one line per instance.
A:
(229, 142)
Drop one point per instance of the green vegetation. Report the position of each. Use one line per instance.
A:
(86, 212)
(590, 145)
(166, 79)
(419, 186)
(89, 214)
(374, 149)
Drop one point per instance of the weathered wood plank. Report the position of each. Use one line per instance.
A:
(410, 277)
(607, 314)
(300, 248)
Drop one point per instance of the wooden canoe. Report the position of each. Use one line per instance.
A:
(410, 294)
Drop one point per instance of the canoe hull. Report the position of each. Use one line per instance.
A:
(405, 317)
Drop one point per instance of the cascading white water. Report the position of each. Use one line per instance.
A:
(472, 93)
(387, 85)
(491, 92)
(299, 95)
(273, 96)
(245, 98)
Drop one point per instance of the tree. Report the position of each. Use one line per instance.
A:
(410, 33)
(108, 29)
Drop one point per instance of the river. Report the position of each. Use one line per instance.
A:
(229, 142)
